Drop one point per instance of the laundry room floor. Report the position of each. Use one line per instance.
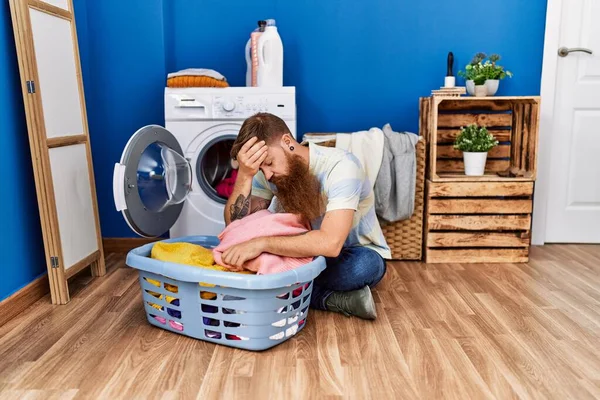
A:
(462, 331)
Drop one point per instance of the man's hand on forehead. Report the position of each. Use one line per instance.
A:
(251, 156)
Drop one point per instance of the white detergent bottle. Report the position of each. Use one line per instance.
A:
(248, 52)
(270, 57)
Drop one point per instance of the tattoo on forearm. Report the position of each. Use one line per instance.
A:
(262, 204)
(240, 208)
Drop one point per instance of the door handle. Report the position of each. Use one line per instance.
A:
(564, 51)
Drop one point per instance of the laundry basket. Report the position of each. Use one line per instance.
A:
(253, 312)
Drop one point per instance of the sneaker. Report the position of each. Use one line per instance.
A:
(358, 303)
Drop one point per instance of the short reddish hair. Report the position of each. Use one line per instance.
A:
(264, 126)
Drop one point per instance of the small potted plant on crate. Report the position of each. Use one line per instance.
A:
(475, 142)
(484, 73)
(493, 74)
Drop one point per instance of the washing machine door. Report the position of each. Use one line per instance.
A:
(152, 181)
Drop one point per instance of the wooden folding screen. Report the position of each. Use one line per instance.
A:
(52, 87)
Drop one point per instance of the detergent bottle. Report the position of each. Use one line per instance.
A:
(270, 57)
(250, 68)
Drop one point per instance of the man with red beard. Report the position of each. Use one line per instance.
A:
(327, 186)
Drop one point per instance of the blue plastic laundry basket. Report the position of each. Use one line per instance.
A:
(253, 312)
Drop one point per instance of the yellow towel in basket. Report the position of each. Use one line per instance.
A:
(188, 254)
(184, 253)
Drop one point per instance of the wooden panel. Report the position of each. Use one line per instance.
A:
(477, 239)
(476, 255)
(66, 140)
(458, 165)
(517, 128)
(481, 189)
(501, 151)
(427, 123)
(45, 32)
(458, 120)
(489, 105)
(532, 144)
(449, 135)
(479, 206)
(487, 177)
(73, 203)
(56, 64)
(39, 154)
(424, 120)
(479, 222)
(58, 8)
(526, 132)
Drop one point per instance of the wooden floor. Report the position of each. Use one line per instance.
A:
(444, 331)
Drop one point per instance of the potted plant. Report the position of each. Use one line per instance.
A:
(482, 72)
(473, 75)
(475, 142)
(493, 74)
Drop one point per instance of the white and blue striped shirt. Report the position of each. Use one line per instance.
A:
(344, 185)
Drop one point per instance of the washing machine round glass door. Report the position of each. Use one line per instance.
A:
(152, 181)
(214, 168)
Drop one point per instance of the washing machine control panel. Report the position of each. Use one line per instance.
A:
(236, 107)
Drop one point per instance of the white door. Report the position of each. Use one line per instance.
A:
(573, 212)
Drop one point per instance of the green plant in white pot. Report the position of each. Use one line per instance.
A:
(493, 74)
(475, 142)
(482, 77)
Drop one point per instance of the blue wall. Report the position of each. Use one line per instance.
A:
(124, 87)
(355, 64)
(21, 246)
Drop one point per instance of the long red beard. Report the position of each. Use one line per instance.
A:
(299, 192)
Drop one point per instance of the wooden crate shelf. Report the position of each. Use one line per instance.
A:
(478, 222)
(512, 120)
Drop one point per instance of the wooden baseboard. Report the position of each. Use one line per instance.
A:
(21, 300)
(123, 245)
(18, 302)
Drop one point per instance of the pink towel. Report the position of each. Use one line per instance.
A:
(260, 224)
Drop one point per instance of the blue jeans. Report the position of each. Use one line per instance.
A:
(354, 268)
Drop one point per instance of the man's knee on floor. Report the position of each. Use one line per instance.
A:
(365, 265)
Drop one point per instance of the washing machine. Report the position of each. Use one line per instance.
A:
(166, 180)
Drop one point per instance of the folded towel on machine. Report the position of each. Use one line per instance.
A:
(263, 223)
(196, 77)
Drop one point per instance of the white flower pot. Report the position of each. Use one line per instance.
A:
(470, 87)
(480, 91)
(492, 86)
(474, 163)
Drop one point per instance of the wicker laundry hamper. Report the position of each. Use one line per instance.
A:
(405, 238)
